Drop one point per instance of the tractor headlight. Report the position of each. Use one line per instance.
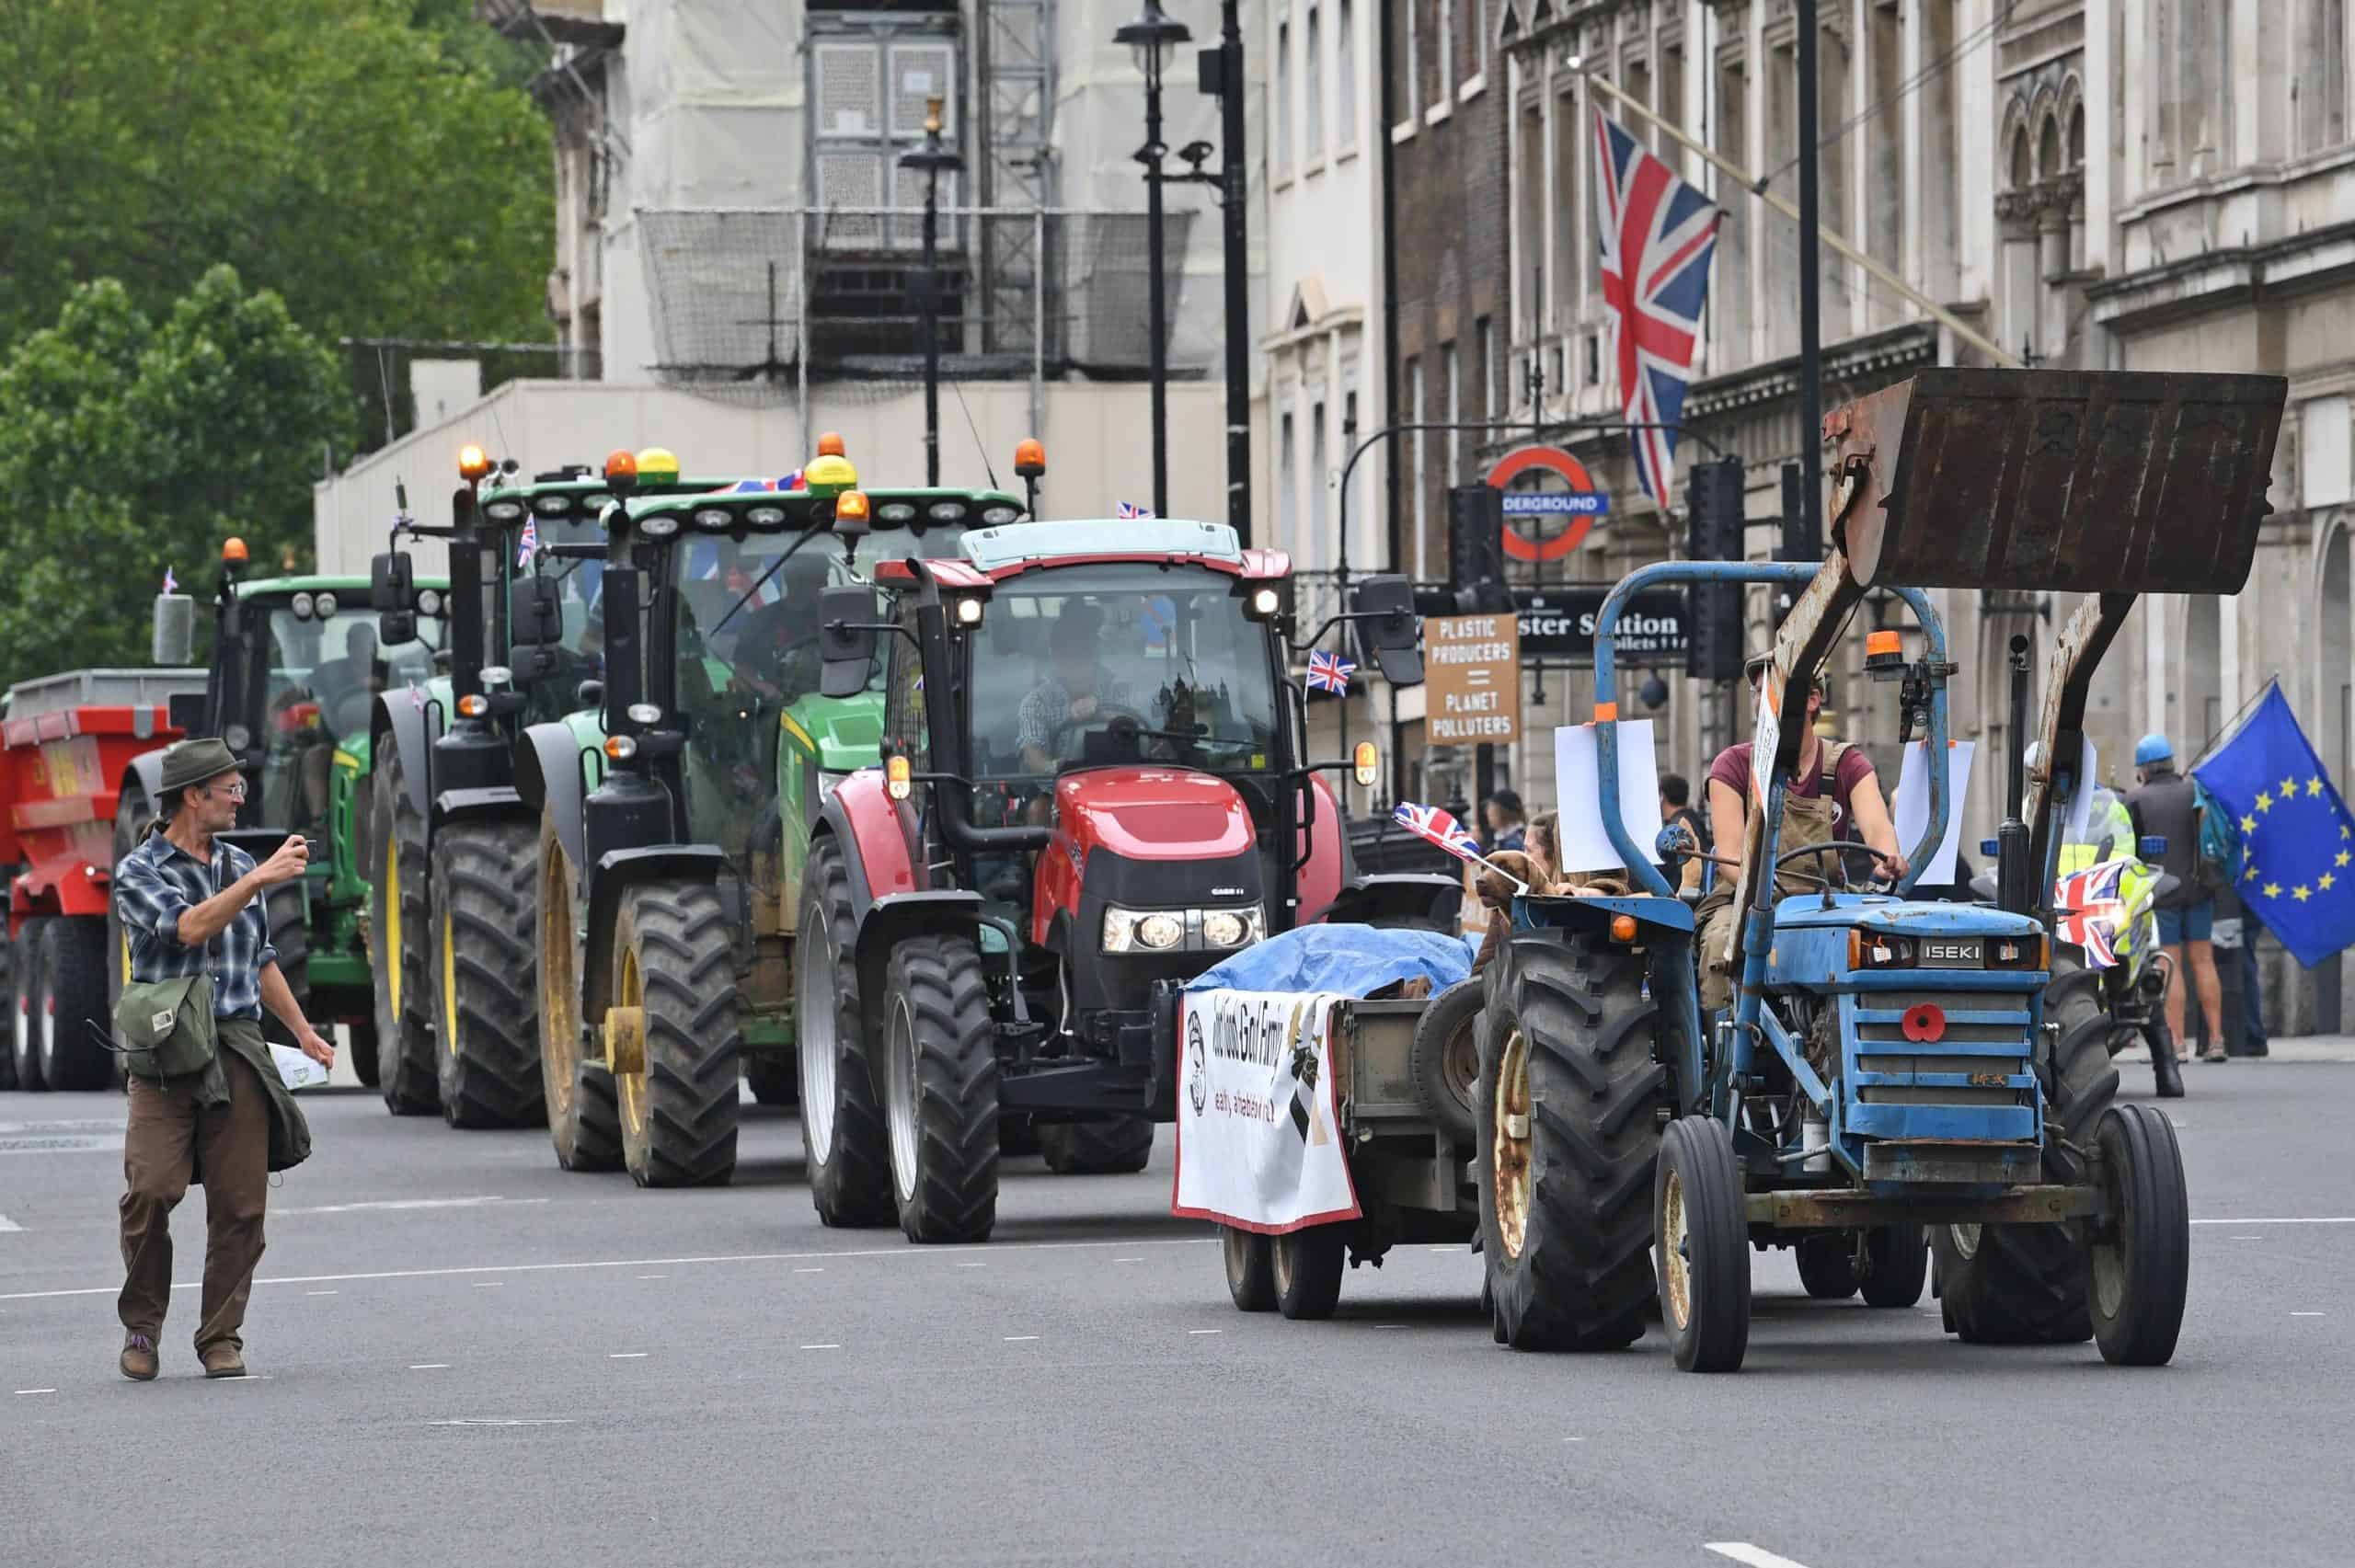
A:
(1878, 950)
(996, 515)
(660, 526)
(552, 506)
(895, 512)
(324, 605)
(429, 601)
(497, 675)
(1142, 931)
(301, 604)
(715, 518)
(643, 713)
(766, 517)
(1234, 928)
(503, 511)
(2019, 953)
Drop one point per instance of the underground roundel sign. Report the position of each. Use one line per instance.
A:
(1526, 511)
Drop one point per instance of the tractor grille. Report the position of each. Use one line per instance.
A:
(2000, 1053)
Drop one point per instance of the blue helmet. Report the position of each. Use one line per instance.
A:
(2152, 747)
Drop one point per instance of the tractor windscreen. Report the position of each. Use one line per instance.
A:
(324, 672)
(1120, 662)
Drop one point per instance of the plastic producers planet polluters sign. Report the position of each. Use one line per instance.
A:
(1578, 505)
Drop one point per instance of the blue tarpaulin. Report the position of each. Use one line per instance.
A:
(1352, 960)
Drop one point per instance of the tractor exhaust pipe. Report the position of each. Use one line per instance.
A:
(2014, 892)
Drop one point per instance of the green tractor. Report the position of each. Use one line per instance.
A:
(452, 849)
(674, 821)
(297, 664)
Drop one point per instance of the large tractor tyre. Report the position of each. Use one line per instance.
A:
(1827, 1261)
(1250, 1261)
(2141, 1263)
(31, 1008)
(8, 962)
(940, 1090)
(774, 1077)
(1120, 1146)
(131, 815)
(288, 916)
(1702, 1240)
(73, 955)
(849, 1155)
(584, 1117)
(1444, 1058)
(363, 1052)
(1306, 1266)
(1897, 1257)
(399, 935)
(672, 1039)
(2025, 1284)
(486, 1032)
(1566, 1143)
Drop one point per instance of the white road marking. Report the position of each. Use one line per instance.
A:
(1206, 1331)
(972, 1266)
(36, 1390)
(1128, 1260)
(821, 1348)
(1390, 1326)
(2293, 1220)
(527, 1421)
(2248, 1238)
(431, 1367)
(7, 1225)
(809, 1271)
(2305, 1314)
(1755, 1556)
(322, 1293)
(1020, 1338)
(375, 1204)
(899, 1251)
(653, 1277)
(629, 1355)
(490, 1284)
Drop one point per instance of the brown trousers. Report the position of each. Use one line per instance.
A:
(170, 1136)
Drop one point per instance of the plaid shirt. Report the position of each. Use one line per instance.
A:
(158, 883)
(1045, 715)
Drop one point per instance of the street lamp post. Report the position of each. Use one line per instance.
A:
(1151, 36)
(932, 160)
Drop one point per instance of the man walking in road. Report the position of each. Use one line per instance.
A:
(191, 909)
(2164, 803)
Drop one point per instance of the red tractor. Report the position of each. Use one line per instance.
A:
(1093, 789)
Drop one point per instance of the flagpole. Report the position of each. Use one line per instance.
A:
(1757, 187)
(1810, 218)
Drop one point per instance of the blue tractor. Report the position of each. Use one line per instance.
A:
(1886, 1067)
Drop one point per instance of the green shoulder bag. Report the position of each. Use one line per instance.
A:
(166, 1027)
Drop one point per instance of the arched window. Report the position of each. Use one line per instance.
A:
(2077, 136)
(2022, 175)
(2048, 149)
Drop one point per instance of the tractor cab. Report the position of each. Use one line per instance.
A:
(1095, 786)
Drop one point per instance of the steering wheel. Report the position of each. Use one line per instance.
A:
(1826, 847)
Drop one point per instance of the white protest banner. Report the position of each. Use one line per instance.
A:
(1258, 1128)
(1912, 805)
(1578, 787)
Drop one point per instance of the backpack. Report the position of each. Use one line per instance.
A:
(2218, 864)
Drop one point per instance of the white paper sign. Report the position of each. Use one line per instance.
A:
(1912, 805)
(2081, 809)
(1766, 741)
(296, 1069)
(1578, 783)
(1259, 1133)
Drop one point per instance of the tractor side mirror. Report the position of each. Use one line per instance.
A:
(396, 626)
(2151, 846)
(175, 639)
(1387, 633)
(847, 616)
(392, 582)
(539, 612)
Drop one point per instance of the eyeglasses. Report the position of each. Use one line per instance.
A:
(235, 792)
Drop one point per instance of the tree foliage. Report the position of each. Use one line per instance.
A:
(376, 162)
(129, 444)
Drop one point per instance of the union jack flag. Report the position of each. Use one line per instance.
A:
(1130, 510)
(2090, 908)
(171, 583)
(527, 543)
(1330, 671)
(742, 486)
(1433, 823)
(1659, 236)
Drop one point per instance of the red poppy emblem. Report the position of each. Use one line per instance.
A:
(1924, 1022)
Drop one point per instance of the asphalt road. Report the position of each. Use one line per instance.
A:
(464, 1355)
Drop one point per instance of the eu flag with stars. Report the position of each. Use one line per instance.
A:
(2297, 839)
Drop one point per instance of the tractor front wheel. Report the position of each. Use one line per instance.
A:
(2142, 1251)
(842, 1128)
(31, 1004)
(774, 1078)
(1444, 1058)
(487, 1061)
(2025, 1284)
(1119, 1146)
(1703, 1241)
(584, 1123)
(1250, 1264)
(1306, 1266)
(1896, 1258)
(940, 1090)
(398, 935)
(74, 962)
(671, 1037)
(1828, 1265)
(1567, 1142)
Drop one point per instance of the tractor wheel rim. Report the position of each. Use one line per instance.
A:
(1283, 1261)
(48, 1035)
(1234, 1251)
(560, 1037)
(630, 1087)
(813, 1032)
(900, 1071)
(1966, 1240)
(392, 957)
(448, 984)
(122, 942)
(1676, 1273)
(2107, 1257)
(1511, 1138)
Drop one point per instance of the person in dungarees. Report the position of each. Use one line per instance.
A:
(1834, 795)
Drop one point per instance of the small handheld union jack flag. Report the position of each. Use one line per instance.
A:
(1130, 510)
(1330, 671)
(2090, 907)
(528, 544)
(1440, 826)
(171, 583)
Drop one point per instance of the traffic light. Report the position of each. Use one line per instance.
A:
(1476, 546)
(1715, 513)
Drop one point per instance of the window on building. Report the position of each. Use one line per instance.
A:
(1452, 376)
(1282, 135)
(1412, 479)
(2190, 51)
(1318, 505)
(1593, 342)
(1345, 62)
(1411, 100)
(1446, 31)
(1569, 142)
(1311, 85)
(2318, 87)
(1287, 484)
(1483, 368)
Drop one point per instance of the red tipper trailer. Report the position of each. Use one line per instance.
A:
(65, 744)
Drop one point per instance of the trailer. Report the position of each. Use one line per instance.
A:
(65, 743)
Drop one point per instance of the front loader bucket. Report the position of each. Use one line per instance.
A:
(2071, 481)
